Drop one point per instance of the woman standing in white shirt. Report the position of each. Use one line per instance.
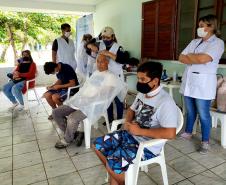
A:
(199, 80)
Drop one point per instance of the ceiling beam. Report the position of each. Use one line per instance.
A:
(46, 7)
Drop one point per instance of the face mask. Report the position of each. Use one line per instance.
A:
(143, 87)
(201, 32)
(108, 42)
(88, 51)
(26, 59)
(67, 34)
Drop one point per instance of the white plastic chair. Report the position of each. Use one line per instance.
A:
(25, 96)
(131, 175)
(81, 82)
(88, 126)
(71, 88)
(222, 117)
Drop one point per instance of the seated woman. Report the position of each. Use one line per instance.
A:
(25, 53)
(15, 88)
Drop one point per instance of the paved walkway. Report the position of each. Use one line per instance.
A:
(28, 156)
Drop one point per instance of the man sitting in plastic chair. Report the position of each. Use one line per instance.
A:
(91, 101)
(66, 78)
(153, 114)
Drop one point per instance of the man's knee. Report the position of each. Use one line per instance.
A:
(56, 97)
(55, 113)
(58, 112)
(71, 119)
(47, 95)
(120, 178)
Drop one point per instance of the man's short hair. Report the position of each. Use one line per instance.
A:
(65, 25)
(49, 67)
(152, 69)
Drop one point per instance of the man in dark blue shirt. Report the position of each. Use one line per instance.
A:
(66, 77)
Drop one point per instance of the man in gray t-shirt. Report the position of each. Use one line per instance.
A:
(152, 115)
(160, 111)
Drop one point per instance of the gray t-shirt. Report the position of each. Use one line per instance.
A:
(158, 111)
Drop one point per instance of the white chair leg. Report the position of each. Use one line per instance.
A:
(223, 132)
(87, 131)
(214, 122)
(96, 125)
(144, 169)
(129, 176)
(164, 171)
(107, 122)
(36, 95)
(106, 178)
(25, 99)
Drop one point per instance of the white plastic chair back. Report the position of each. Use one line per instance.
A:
(131, 176)
(25, 96)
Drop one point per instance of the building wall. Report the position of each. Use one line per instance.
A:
(125, 17)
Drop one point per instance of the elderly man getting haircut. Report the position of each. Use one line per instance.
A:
(90, 102)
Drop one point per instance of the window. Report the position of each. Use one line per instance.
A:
(158, 28)
(169, 25)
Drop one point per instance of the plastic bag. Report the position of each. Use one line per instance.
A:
(221, 94)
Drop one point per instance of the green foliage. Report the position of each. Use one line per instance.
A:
(32, 28)
(2, 61)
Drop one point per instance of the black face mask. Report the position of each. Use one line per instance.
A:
(108, 42)
(143, 87)
(88, 51)
(26, 59)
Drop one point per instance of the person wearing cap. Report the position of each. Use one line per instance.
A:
(110, 48)
(63, 48)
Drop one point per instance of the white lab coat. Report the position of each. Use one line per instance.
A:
(199, 80)
(82, 59)
(91, 65)
(113, 66)
(66, 52)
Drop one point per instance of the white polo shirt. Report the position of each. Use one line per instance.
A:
(199, 80)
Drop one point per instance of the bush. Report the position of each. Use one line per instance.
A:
(2, 61)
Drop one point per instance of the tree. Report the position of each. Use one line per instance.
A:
(20, 28)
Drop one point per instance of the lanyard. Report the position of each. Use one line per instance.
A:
(198, 45)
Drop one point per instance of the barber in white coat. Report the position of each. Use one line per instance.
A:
(110, 48)
(63, 48)
(199, 80)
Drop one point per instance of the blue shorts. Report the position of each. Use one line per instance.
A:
(120, 149)
(61, 92)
